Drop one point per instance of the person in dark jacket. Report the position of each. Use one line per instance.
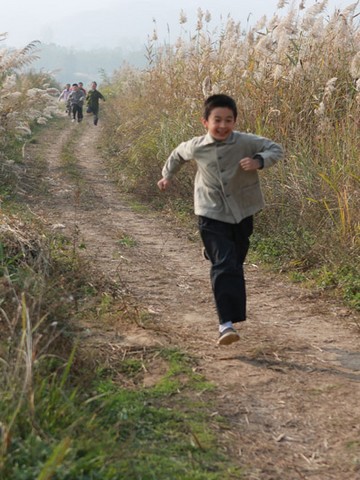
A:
(92, 102)
(81, 87)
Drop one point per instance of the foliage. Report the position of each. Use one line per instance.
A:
(26, 100)
(59, 419)
(296, 79)
(111, 433)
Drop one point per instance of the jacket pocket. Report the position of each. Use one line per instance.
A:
(251, 196)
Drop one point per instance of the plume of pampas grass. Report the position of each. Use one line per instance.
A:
(183, 17)
(42, 121)
(349, 11)
(312, 14)
(355, 66)
(23, 98)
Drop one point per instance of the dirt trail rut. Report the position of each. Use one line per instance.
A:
(290, 388)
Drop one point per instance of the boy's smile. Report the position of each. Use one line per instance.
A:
(220, 123)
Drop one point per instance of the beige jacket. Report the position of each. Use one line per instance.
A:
(224, 191)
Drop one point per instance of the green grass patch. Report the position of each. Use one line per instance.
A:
(127, 241)
(281, 253)
(102, 430)
(139, 207)
(68, 414)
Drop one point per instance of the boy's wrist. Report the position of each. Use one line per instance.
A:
(260, 159)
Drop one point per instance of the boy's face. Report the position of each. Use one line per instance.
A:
(220, 123)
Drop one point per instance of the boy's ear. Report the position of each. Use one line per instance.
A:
(204, 122)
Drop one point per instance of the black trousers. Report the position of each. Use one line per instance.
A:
(95, 112)
(77, 110)
(226, 246)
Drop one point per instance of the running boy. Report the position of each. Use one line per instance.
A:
(76, 99)
(227, 195)
(64, 96)
(92, 101)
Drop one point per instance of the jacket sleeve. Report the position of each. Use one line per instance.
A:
(177, 158)
(268, 150)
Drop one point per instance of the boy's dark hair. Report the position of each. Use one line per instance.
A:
(75, 85)
(219, 100)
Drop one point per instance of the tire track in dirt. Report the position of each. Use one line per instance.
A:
(289, 388)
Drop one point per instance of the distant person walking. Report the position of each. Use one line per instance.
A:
(76, 99)
(92, 101)
(64, 97)
(81, 87)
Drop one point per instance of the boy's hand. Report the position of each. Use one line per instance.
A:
(164, 184)
(249, 164)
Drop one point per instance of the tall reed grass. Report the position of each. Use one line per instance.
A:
(27, 99)
(296, 79)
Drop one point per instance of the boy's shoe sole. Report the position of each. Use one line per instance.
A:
(228, 336)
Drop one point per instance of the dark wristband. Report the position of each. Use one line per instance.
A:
(261, 161)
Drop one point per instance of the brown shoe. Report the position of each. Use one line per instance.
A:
(228, 336)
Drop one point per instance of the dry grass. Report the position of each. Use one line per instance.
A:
(296, 79)
(26, 99)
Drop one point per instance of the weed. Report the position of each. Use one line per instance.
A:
(127, 241)
(114, 433)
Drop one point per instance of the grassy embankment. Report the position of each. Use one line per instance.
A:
(296, 79)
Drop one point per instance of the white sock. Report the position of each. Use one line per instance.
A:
(224, 326)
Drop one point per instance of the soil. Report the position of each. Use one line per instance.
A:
(289, 388)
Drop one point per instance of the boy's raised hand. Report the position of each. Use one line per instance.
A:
(164, 184)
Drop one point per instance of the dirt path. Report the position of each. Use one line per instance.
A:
(290, 387)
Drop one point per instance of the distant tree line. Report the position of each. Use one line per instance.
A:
(68, 64)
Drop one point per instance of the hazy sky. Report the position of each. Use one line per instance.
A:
(112, 23)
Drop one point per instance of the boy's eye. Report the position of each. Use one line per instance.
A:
(226, 120)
